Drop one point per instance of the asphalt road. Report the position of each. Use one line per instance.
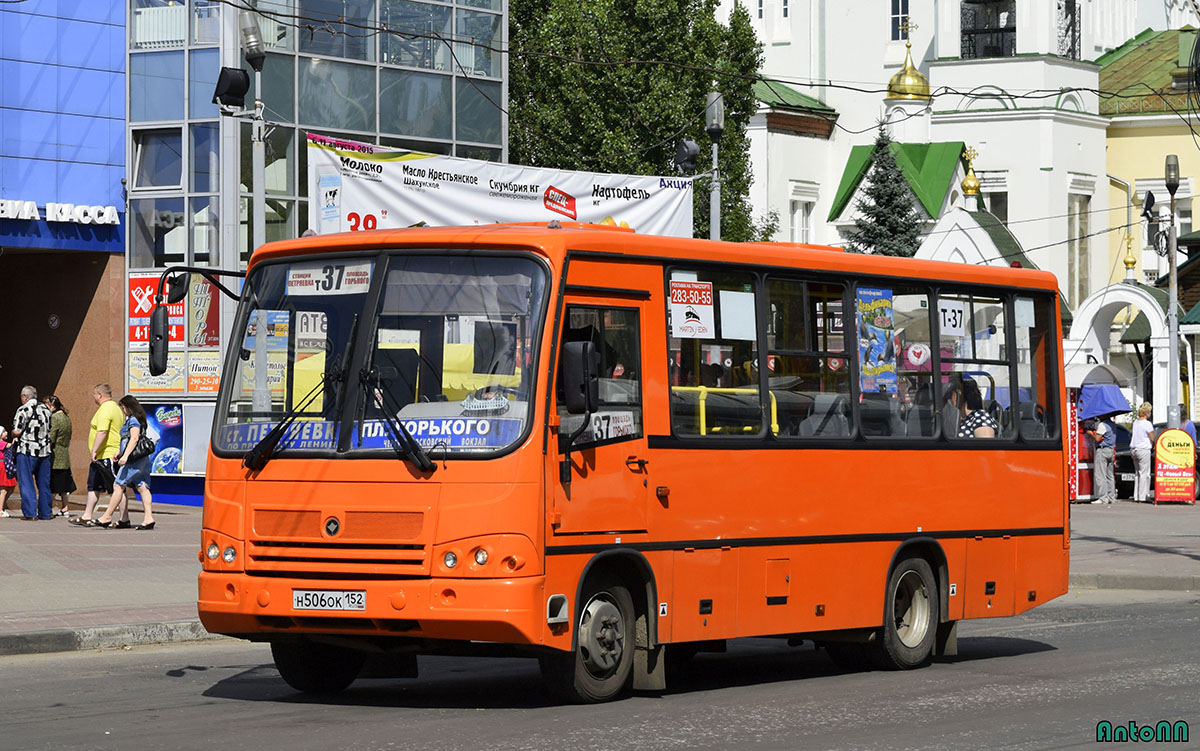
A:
(1042, 680)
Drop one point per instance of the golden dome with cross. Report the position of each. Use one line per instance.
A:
(908, 83)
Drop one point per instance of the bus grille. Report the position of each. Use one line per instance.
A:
(368, 544)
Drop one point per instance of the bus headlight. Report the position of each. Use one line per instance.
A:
(481, 556)
(213, 551)
(230, 555)
(450, 559)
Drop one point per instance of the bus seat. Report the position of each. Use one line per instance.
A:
(919, 420)
(878, 415)
(1032, 425)
(828, 417)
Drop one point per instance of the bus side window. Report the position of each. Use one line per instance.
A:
(615, 334)
(713, 354)
(807, 359)
(1037, 397)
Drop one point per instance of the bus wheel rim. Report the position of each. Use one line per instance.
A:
(910, 608)
(601, 636)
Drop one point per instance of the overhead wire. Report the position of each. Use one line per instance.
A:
(313, 24)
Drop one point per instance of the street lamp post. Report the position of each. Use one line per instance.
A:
(714, 124)
(252, 47)
(1172, 181)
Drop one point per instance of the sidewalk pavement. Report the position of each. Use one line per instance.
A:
(64, 587)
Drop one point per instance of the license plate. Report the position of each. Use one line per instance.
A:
(1126, 477)
(328, 599)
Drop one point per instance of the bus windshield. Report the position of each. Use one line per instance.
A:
(447, 343)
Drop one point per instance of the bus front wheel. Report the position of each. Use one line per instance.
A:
(602, 662)
(910, 615)
(316, 668)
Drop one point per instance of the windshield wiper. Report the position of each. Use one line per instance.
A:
(406, 446)
(257, 457)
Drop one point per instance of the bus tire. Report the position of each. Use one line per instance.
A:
(601, 666)
(315, 668)
(910, 615)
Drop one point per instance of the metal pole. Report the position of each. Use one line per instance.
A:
(1173, 329)
(714, 200)
(259, 165)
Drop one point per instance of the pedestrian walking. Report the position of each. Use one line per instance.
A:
(62, 484)
(8, 480)
(103, 441)
(131, 473)
(1141, 445)
(31, 430)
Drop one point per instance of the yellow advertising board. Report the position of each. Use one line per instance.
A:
(173, 380)
(1174, 467)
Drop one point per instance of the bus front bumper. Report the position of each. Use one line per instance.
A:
(498, 610)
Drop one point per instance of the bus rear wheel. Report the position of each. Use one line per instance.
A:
(602, 662)
(316, 668)
(910, 615)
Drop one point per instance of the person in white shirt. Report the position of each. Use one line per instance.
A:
(1141, 447)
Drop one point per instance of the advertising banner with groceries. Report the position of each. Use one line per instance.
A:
(359, 186)
(1174, 467)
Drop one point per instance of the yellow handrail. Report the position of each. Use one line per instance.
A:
(704, 391)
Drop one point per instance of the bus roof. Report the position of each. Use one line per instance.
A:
(555, 241)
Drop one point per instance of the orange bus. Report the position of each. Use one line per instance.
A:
(601, 449)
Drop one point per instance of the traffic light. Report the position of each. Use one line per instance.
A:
(687, 155)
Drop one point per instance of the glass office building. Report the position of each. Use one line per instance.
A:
(426, 76)
(62, 206)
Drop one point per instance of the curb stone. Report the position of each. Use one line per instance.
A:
(104, 637)
(1135, 581)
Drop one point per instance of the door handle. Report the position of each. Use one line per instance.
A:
(641, 463)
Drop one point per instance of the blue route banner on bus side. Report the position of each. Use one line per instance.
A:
(321, 435)
(450, 432)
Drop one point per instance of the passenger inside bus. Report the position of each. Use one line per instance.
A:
(974, 421)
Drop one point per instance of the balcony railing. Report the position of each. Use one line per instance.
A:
(985, 42)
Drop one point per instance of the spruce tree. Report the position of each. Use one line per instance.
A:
(888, 222)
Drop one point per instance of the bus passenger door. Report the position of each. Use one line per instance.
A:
(609, 483)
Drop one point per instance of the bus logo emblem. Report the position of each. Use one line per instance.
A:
(332, 526)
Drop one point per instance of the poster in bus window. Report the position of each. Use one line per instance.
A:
(164, 423)
(876, 344)
(692, 310)
(277, 330)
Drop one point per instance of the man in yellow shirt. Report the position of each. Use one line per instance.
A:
(104, 439)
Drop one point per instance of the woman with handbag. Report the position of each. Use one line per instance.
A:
(133, 462)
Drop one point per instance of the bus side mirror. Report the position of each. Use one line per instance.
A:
(177, 287)
(158, 340)
(581, 377)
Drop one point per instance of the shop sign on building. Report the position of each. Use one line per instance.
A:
(141, 302)
(173, 380)
(203, 313)
(59, 212)
(204, 372)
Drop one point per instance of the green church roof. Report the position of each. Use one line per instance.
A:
(1143, 70)
(929, 169)
(779, 96)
